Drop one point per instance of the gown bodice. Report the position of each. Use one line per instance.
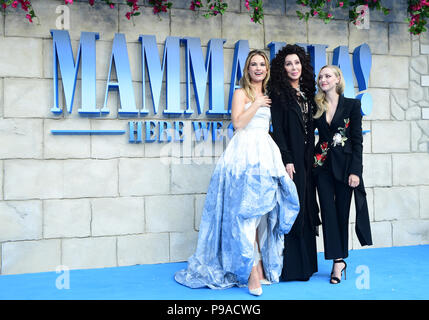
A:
(261, 119)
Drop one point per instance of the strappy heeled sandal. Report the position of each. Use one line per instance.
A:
(335, 280)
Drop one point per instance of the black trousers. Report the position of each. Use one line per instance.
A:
(335, 199)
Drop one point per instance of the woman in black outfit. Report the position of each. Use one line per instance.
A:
(338, 168)
(292, 90)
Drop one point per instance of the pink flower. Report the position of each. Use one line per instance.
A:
(68, 1)
(315, 13)
(341, 4)
(128, 15)
(14, 4)
(91, 2)
(112, 6)
(329, 15)
(29, 18)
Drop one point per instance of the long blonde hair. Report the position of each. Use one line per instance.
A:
(245, 81)
(320, 98)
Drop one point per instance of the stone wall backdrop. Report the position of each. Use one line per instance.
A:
(100, 201)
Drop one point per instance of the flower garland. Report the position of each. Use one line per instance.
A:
(257, 16)
(25, 5)
(213, 7)
(322, 8)
(418, 10)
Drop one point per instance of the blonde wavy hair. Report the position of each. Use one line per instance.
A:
(320, 98)
(245, 81)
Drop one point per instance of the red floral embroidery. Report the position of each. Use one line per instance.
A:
(320, 158)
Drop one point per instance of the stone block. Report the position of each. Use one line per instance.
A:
(33, 179)
(290, 30)
(26, 54)
(90, 178)
(398, 103)
(425, 113)
(381, 233)
(183, 22)
(31, 256)
(29, 98)
(337, 30)
(424, 49)
(291, 8)
(169, 213)
(398, 12)
(139, 177)
(409, 169)
(420, 64)
(272, 7)
(1, 28)
(376, 37)
(1, 180)
(146, 23)
(396, 203)
(98, 18)
(114, 146)
(253, 32)
(117, 216)
(377, 170)
(20, 220)
(192, 178)
(17, 25)
(21, 138)
(413, 113)
(424, 202)
(66, 146)
(390, 136)
(385, 70)
(147, 248)
(410, 232)
(182, 245)
(424, 82)
(66, 218)
(1, 98)
(399, 39)
(380, 104)
(88, 253)
(416, 92)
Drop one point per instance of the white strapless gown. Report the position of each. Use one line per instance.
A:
(249, 182)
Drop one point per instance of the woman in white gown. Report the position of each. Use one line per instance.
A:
(251, 202)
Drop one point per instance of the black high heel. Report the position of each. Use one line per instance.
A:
(343, 269)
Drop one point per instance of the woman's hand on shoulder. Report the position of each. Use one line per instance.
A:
(262, 101)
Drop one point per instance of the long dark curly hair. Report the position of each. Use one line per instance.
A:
(279, 81)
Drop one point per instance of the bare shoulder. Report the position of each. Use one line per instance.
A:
(239, 93)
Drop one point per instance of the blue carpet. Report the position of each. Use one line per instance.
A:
(397, 273)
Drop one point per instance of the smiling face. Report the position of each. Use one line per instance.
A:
(328, 79)
(293, 67)
(257, 69)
